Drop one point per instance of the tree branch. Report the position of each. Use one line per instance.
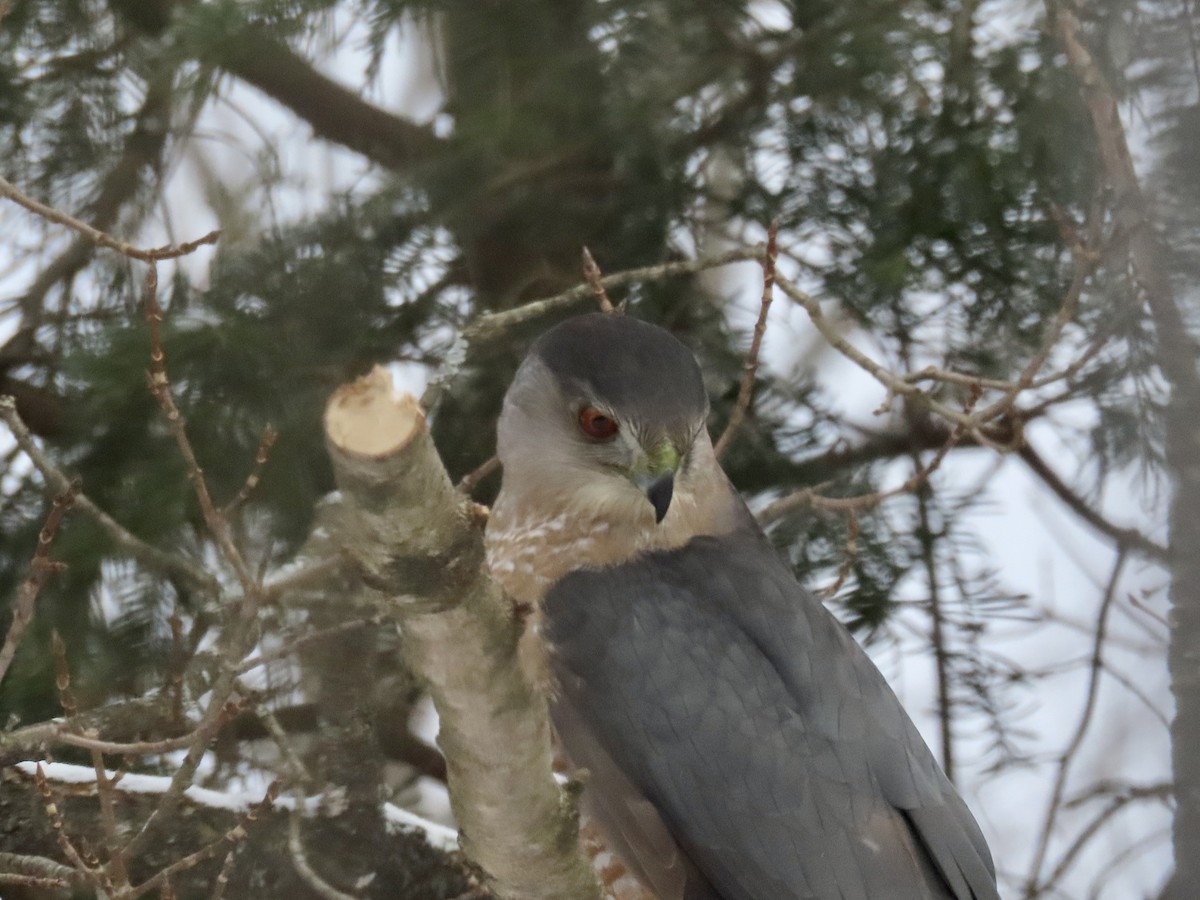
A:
(750, 368)
(417, 539)
(335, 113)
(137, 548)
(143, 148)
(40, 568)
(95, 235)
(1125, 537)
(1033, 884)
(490, 327)
(1177, 358)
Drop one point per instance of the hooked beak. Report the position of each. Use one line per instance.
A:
(655, 477)
(659, 494)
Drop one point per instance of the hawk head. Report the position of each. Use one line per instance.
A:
(609, 410)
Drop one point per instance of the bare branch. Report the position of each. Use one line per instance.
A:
(56, 823)
(265, 443)
(130, 717)
(1124, 537)
(40, 568)
(137, 548)
(223, 876)
(1177, 359)
(896, 385)
(335, 113)
(115, 869)
(490, 327)
(143, 149)
(135, 748)
(750, 367)
(1127, 795)
(850, 553)
(36, 871)
(1085, 260)
(1033, 883)
(62, 675)
(591, 274)
(98, 237)
(470, 481)
(810, 496)
(160, 387)
(417, 539)
(495, 324)
(232, 837)
(286, 650)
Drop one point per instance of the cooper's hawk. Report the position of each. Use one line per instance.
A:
(740, 743)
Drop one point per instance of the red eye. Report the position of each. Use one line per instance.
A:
(596, 424)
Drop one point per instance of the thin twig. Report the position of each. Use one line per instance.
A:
(287, 649)
(941, 655)
(490, 327)
(269, 436)
(108, 819)
(493, 325)
(312, 573)
(850, 555)
(471, 480)
(56, 824)
(1115, 805)
(1032, 884)
(904, 385)
(12, 192)
(18, 869)
(895, 384)
(40, 568)
(56, 480)
(1124, 537)
(299, 771)
(160, 387)
(138, 748)
(231, 838)
(128, 717)
(223, 876)
(62, 675)
(115, 870)
(811, 496)
(142, 151)
(750, 368)
(234, 643)
(591, 274)
(1085, 260)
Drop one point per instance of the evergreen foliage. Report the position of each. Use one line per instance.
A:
(920, 156)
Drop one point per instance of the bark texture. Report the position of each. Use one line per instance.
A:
(417, 539)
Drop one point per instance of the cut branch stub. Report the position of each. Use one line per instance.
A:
(417, 539)
(406, 526)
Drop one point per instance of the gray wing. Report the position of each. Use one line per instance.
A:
(771, 747)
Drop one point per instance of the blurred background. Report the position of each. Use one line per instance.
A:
(383, 172)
